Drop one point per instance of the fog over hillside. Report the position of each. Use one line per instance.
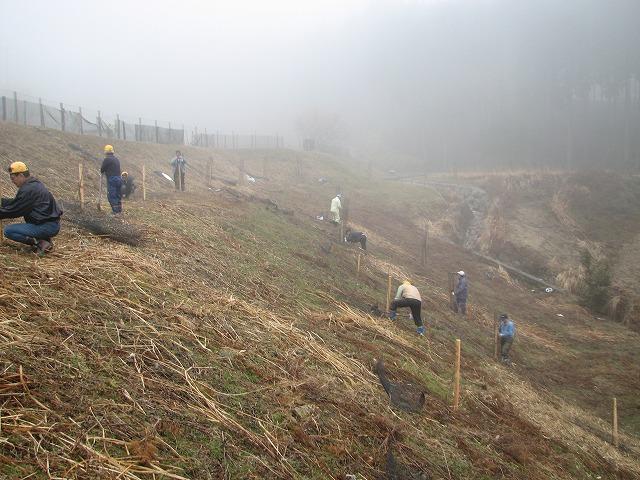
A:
(441, 84)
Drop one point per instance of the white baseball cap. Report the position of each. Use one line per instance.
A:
(461, 273)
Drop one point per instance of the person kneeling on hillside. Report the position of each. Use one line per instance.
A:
(355, 237)
(128, 186)
(408, 296)
(38, 207)
(506, 332)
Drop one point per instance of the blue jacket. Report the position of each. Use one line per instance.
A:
(110, 166)
(461, 289)
(33, 202)
(507, 329)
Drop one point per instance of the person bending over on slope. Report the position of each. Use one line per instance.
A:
(355, 237)
(408, 296)
(38, 207)
(128, 185)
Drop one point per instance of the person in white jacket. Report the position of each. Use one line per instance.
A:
(408, 296)
(336, 206)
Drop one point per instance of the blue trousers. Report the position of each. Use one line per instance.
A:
(27, 232)
(114, 193)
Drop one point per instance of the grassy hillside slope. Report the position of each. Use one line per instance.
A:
(235, 342)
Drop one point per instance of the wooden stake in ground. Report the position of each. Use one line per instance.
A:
(496, 334)
(210, 171)
(388, 291)
(144, 183)
(358, 265)
(615, 423)
(423, 247)
(242, 177)
(456, 378)
(100, 192)
(81, 185)
(452, 286)
(1, 225)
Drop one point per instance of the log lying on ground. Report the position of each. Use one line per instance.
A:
(102, 224)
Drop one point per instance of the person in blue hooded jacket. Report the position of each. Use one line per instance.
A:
(460, 292)
(506, 332)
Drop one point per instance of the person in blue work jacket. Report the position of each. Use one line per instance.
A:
(460, 293)
(111, 169)
(38, 207)
(506, 332)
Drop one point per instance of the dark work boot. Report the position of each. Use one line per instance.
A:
(44, 246)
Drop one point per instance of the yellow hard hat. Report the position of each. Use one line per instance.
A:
(407, 282)
(108, 149)
(125, 174)
(18, 167)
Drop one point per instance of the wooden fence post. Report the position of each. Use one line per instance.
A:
(424, 246)
(1, 225)
(496, 334)
(24, 112)
(242, 179)
(124, 130)
(456, 378)
(144, 183)
(41, 112)
(451, 287)
(615, 423)
(210, 171)
(81, 184)
(388, 303)
(99, 122)
(15, 106)
(358, 265)
(118, 135)
(62, 119)
(81, 121)
(157, 132)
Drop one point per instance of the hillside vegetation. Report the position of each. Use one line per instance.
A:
(544, 222)
(235, 341)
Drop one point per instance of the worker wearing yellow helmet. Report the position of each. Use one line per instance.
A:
(38, 207)
(128, 185)
(111, 169)
(408, 296)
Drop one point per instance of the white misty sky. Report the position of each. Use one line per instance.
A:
(240, 65)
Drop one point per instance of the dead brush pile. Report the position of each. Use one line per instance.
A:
(102, 224)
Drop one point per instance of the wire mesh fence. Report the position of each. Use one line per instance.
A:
(28, 110)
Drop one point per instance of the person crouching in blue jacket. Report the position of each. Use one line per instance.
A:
(38, 207)
(506, 332)
(111, 169)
